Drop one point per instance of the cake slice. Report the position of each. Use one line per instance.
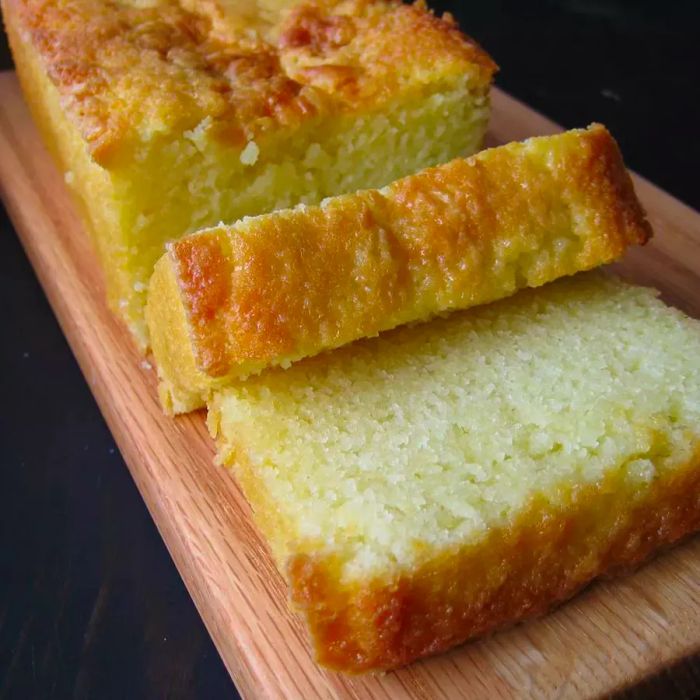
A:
(443, 480)
(227, 302)
(168, 116)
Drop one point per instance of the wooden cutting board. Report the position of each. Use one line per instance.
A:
(612, 635)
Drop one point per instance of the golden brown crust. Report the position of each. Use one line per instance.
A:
(128, 71)
(291, 284)
(516, 573)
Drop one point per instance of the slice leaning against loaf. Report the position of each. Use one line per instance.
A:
(226, 302)
(442, 480)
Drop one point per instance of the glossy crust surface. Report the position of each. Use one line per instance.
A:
(294, 283)
(128, 72)
(516, 573)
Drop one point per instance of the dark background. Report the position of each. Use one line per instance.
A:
(91, 605)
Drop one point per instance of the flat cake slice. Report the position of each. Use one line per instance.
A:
(169, 116)
(442, 480)
(227, 302)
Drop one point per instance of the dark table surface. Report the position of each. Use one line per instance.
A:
(91, 606)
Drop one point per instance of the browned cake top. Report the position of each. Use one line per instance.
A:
(133, 69)
(417, 245)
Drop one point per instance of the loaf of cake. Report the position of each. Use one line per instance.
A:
(229, 301)
(449, 478)
(170, 116)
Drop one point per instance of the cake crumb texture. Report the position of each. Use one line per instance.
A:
(442, 480)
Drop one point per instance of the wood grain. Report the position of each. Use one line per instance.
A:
(612, 635)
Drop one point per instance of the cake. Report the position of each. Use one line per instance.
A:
(167, 117)
(227, 302)
(446, 479)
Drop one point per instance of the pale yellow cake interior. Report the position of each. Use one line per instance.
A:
(391, 450)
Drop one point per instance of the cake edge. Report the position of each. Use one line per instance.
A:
(382, 624)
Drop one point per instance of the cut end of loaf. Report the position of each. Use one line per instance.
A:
(176, 145)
